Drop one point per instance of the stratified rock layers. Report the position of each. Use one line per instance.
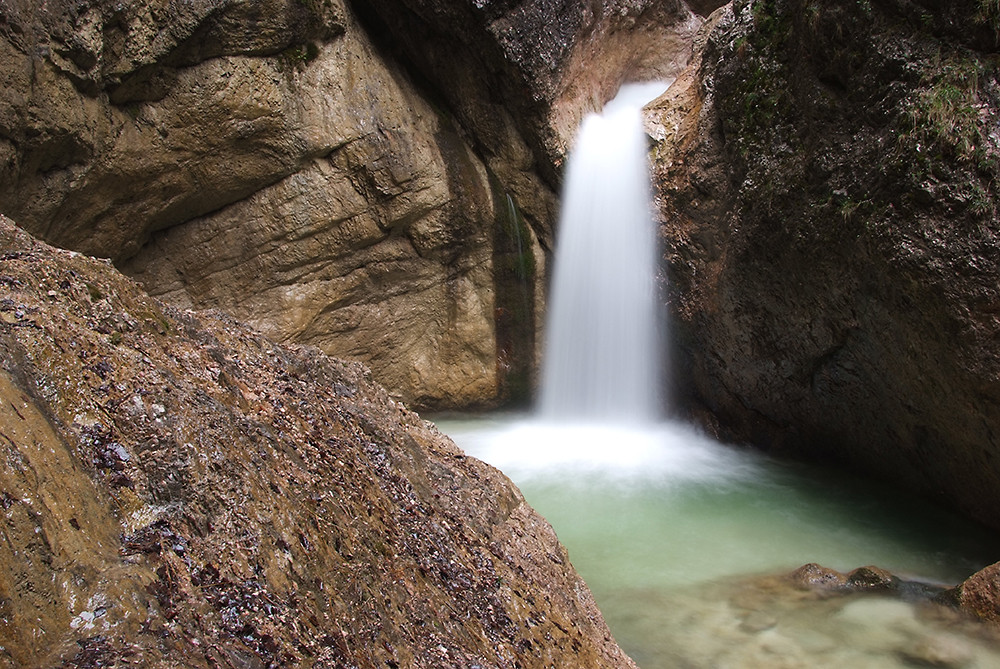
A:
(828, 186)
(177, 490)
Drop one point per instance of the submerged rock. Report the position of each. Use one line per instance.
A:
(177, 488)
(940, 626)
(771, 620)
(827, 182)
(944, 651)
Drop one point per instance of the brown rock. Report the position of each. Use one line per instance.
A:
(276, 160)
(379, 250)
(816, 577)
(264, 159)
(520, 76)
(178, 486)
(872, 578)
(124, 119)
(980, 594)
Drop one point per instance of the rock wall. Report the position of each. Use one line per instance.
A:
(828, 189)
(520, 76)
(179, 490)
(377, 248)
(264, 159)
(344, 184)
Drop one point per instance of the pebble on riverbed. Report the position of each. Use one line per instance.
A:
(757, 621)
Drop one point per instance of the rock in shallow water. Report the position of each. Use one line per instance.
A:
(814, 576)
(980, 594)
(872, 579)
(179, 486)
(767, 621)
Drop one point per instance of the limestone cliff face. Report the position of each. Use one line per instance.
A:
(263, 159)
(828, 187)
(180, 491)
(377, 248)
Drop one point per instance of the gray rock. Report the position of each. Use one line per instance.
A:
(822, 305)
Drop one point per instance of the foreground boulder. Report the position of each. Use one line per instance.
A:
(179, 490)
(828, 188)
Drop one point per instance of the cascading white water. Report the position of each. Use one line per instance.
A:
(602, 357)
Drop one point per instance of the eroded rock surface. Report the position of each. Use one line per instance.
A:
(379, 248)
(119, 119)
(979, 594)
(264, 159)
(520, 76)
(179, 489)
(828, 188)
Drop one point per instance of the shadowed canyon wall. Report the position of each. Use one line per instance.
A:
(177, 490)
(828, 187)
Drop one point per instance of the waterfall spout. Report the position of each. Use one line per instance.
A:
(602, 349)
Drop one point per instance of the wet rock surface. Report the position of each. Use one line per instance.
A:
(979, 594)
(179, 489)
(536, 67)
(870, 579)
(827, 184)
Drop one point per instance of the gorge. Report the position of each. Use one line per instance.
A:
(701, 554)
(379, 180)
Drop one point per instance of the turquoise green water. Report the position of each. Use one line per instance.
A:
(675, 535)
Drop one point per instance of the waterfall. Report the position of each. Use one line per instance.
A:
(602, 358)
